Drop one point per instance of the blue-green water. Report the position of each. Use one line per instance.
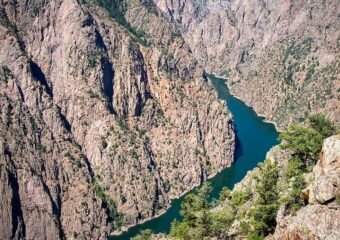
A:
(255, 138)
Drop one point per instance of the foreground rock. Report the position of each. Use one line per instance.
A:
(320, 219)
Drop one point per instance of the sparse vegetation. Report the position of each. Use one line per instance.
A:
(93, 94)
(143, 235)
(95, 58)
(36, 9)
(256, 210)
(13, 29)
(41, 148)
(297, 50)
(4, 73)
(122, 123)
(116, 10)
(69, 155)
(107, 201)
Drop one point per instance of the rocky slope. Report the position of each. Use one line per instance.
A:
(100, 125)
(320, 218)
(281, 57)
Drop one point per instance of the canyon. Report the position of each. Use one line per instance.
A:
(98, 130)
(317, 219)
(280, 57)
(107, 113)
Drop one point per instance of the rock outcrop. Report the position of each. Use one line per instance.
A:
(100, 126)
(320, 219)
(317, 217)
(280, 57)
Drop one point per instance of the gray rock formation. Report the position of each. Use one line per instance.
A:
(99, 128)
(281, 57)
(320, 219)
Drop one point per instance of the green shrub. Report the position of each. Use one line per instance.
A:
(295, 167)
(180, 230)
(143, 235)
(117, 10)
(322, 124)
(239, 198)
(107, 201)
(305, 142)
(122, 123)
(254, 236)
(93, 94)
(94, 59)
(196, 214)
(224, 194)
(221, 222)
(266, 186)
(263, 219)
(36, 9)
(4, 73)
(69, 155)
(310, 72)
(263, 213)
(41, 148)
(293, 200)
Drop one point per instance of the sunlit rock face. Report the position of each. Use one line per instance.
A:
(281, 57)
(98, 128)
(320, 218)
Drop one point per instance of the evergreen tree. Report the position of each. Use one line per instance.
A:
(264, 211)
(322, 124)
(304, 141)
(196, 216)
(143, 235)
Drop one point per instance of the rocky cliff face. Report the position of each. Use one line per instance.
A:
(100, 126)
(320, 218)
(317, 218)
(281, 57)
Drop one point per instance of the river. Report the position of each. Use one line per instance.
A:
(254, 138)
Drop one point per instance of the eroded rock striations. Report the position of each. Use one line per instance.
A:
(100, 126)
(281, 57)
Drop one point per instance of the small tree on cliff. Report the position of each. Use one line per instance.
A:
(197, 217)
(143, 235)
(263, 213)
(306, 142)
(322, 124)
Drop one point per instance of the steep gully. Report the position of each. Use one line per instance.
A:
(254, 138)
